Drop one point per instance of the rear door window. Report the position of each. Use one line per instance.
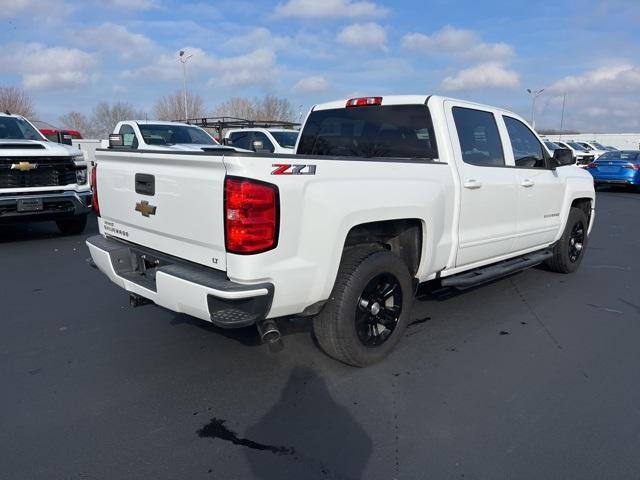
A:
(128, 136)
(479, 137)
(397, 131)
(241, 140)
(267, 146)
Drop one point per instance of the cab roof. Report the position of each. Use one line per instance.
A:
(403, 100)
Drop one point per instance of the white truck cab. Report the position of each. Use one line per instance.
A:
(263, 140)
(382, 194)
(161, 135)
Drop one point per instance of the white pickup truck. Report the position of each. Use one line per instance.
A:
(41, 180)
(383, 193)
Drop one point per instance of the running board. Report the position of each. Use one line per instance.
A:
(497, 270)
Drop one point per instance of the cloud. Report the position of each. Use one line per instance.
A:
(48, 67)
(11, 8)
(35, 9)
(254, 68)
(129, 4)
(329, 9)
(485, 75)
(616, 79)
(121, 41)
(312, 84)
(166, 67)
(458, 42)
(601, 99)
(363, 35)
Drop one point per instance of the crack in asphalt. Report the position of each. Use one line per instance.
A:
(536, 316)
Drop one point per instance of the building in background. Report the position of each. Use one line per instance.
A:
(621, 141)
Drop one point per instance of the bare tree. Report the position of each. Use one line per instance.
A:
(79, 121)
(106, 115)
(15, 100)
(269, 107)
(237, 107)
(273, 108)
(171, 107)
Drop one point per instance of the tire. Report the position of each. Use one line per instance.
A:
(567, 256)
(360, 335)
(72, 226)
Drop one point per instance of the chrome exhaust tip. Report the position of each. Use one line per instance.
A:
(268, 331)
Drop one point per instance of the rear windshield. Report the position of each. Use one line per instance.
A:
(155, 134)
(399, 131)
(620, 155)
(286, 139)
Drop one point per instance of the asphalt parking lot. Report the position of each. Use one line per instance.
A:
(534, 376)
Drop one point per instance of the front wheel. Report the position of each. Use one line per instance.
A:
(369, 307)
(72, 226)
(569, 251)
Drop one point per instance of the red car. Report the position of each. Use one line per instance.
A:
(58, 135)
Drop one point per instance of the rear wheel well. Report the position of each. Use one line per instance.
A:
(583, 204)
(403, 237)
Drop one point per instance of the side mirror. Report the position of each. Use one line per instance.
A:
(116, 140)
(257, 145)
(563, 157)
(226, 141)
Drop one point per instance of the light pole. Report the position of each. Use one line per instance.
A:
(183, 59)
(534, 94)
(564, 99)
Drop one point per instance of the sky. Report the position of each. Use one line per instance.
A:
(70, 55)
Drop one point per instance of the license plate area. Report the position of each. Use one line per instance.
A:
(30, 205)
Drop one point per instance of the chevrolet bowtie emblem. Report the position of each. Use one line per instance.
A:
(145, 209)
(24, 166)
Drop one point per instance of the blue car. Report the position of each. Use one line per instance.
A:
(621, 167)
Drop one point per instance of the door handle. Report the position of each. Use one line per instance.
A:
(472, 184)
(527, 183)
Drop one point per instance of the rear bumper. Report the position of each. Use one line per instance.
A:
(59, 205)
(179, 285)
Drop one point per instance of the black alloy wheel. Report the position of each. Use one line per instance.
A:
(378, 310)
(576, 241)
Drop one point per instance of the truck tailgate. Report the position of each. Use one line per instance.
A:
(168, 202)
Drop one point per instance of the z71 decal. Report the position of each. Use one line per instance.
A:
(288, 169)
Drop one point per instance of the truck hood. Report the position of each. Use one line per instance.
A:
(35, 148)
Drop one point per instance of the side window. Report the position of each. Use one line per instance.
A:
(267, 146)
(128, 136)
(241, 140)
(479, 138)
(527, 150)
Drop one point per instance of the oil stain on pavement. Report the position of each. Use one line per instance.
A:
(216, 429)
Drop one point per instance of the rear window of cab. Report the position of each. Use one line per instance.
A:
(391, 131)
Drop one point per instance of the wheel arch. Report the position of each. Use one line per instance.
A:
(404, 237)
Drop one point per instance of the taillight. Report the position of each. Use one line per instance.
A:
(94, 187)
(364, 101)
(592, 165)
(251, 215)
(633, 166)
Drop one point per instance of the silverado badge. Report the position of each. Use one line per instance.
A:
(145, 209)
(24, 166)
